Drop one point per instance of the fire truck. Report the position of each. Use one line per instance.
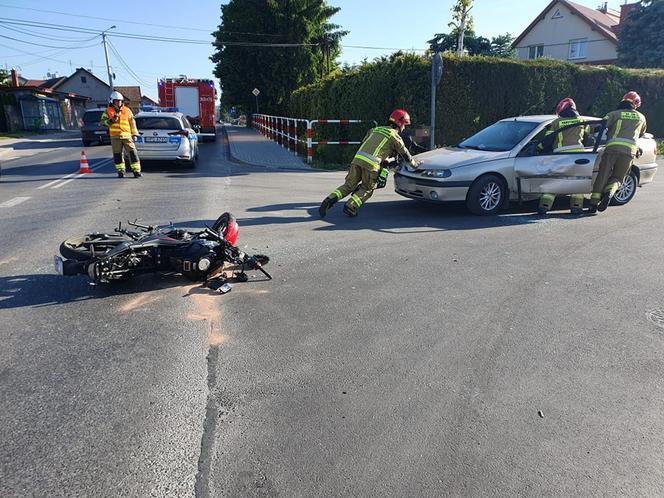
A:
(195, 98)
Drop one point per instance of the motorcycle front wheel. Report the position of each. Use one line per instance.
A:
(85, 247)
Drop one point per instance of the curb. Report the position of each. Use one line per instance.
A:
(236, 159)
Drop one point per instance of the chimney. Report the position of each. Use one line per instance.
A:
(625, 10)
(14, 78)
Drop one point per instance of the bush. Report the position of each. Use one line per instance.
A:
(475, 91)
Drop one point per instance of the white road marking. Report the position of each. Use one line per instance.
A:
(13, 202)
(73, 176)
(56, 181)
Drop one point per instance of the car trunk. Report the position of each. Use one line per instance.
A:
(158, 133)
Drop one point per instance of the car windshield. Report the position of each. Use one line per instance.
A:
(501, 136)
(158, 123)
(92, 117)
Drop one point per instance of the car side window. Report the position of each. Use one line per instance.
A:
(186, 122)
(568, 140)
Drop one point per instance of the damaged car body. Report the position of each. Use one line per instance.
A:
(512, 160)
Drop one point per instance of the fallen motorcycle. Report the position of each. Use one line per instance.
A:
(198, 255)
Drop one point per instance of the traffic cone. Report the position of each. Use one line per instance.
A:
(85, 167)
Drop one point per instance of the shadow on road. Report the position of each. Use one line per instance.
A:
(42, 290)
(401, 217)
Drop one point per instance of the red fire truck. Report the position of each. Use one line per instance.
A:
(195, 98)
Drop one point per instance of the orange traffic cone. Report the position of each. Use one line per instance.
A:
(85, 167)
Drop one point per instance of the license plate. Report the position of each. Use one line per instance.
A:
(59, 265)
(161, 140)
(100, 133)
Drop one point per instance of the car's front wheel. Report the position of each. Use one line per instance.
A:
(486, 195)
(627, 190)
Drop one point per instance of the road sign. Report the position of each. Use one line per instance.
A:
(256, 91)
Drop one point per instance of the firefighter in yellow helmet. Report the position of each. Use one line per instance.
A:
(123, 132)
(624, 126)
(380, 143)
(566, 141)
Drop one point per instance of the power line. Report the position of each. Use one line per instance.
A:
(41, 56)
(137, 78)
(46, 37)
(136, 22)
(45, 46)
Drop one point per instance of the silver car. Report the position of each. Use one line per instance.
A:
(166, 136)
(513, 160)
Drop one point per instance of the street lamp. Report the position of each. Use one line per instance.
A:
(108, 66)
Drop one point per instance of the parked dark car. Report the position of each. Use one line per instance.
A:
(93, 131)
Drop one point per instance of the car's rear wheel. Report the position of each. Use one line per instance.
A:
(627, 190)
(486, 195)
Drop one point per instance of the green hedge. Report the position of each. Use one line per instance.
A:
(476, 91)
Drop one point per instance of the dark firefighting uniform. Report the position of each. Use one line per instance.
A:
(380, 143)
(625, 126)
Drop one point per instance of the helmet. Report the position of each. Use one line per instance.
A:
(633, 98)
(564, 104)
(116, 96)
(400, 117)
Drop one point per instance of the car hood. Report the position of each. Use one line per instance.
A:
(454, 157)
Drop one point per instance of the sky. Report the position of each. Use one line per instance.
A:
(388, 25)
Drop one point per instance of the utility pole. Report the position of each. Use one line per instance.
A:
(108, 66)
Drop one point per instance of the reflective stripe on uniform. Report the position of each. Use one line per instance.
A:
(623, 142)
(380, 146)
(366, 155)
(368, 161)
(569, 148)
(337, 194)
(356, 200)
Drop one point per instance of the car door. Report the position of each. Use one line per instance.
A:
(541, 169)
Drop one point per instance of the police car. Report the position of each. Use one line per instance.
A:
(166, 136)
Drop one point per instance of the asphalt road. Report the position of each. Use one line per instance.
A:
(413, 351)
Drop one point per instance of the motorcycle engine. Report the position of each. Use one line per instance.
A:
(198, 259)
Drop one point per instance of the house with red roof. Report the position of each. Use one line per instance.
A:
(571, 32)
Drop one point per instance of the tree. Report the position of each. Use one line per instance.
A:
(275, 46)
(461, 22)
(640, 38)
(5, 77)
(499, 46)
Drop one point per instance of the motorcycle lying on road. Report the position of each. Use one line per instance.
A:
(198, 255)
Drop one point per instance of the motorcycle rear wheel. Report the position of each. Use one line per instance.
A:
(85, 247)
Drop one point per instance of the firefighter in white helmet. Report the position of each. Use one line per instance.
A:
(122, 129)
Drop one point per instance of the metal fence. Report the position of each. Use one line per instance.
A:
(289, 132)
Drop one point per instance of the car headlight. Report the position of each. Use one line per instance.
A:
(437, 173)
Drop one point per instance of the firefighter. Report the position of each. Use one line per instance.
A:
(624, 126)
(380, 143)
(569, 140)
(123, 132)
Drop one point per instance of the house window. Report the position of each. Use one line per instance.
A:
(535, 51)
(557, 15)
(577, 48)
(84, 79)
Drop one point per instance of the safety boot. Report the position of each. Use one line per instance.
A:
(120, 174)
(137, 174)
(576, 211)
(327, 203)
(592, 209)
(542, 210)
(604, 202)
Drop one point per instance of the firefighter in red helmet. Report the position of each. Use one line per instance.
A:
(379, 143)
(567, 141)
(625, 126)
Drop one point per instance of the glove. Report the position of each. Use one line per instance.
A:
(134, 137)
(415, 165)
(115, 119)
